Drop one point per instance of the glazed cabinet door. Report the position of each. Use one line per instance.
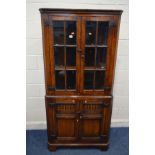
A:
(62, 119)
(98, 54)
(62, 55)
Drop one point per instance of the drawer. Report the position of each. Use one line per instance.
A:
(94, 105)
(61, 99)
(105, 101)
(63, 105)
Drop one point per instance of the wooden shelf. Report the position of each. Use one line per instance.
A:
(65, 68)
(94, 68)
(58, 45)
(96, 45)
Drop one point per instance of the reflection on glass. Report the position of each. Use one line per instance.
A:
(99, 79)
(102, 33)
(71, 56)
(59, 56)
(60, 79)
(71, 32)
(58, 30)
(101, 57)
(88, 79)
(89, 56)
(90, 32)
(71, 79)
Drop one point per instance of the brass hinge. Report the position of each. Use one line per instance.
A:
(107, 88)
(48, 23)
(51, 104)
(112, 23)
(51, 88)
(105, 104)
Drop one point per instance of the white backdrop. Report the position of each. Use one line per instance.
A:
(36, 118)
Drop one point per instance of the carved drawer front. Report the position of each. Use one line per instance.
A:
(66, 106)
(94, 106)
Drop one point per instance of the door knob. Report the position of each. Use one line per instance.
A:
(79, 50)
(73, 101)
(77, 120)
(82, 56)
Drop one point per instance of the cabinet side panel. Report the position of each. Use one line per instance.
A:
(46, 50)
(107, 120)
(113, 39)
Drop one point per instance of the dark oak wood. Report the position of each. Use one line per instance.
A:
(79, 116)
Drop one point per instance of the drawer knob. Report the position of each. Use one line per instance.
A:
(82, 56)
(77, 120)
(73, 101)
(85, 101)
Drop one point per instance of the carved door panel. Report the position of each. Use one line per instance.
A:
(93, 121)
(64, 119)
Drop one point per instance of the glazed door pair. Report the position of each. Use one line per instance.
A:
(80, 54)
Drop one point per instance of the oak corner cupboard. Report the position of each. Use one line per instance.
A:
(79, 48)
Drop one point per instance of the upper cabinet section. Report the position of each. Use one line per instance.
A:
(79, 50)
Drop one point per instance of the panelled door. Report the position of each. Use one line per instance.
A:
(63, 119)
(95, 118)
(91, 120)
(64, 55)
(96, 57)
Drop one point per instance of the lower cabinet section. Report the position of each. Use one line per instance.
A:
(79, 121)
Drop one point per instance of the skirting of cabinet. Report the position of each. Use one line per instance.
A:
(54, 146)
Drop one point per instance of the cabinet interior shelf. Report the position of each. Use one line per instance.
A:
(65, 68)
(60, 45)
(74, 68)
(96, 45)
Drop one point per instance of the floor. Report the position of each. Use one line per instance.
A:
(36, 141)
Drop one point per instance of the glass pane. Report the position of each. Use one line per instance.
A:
(102, 33)
(71, 79)
(99, 79)
(90, 32)
(59, 56)
(71, 56)
(58, 29)
(71, 32)
(88, 79)
(101, 57)
(89, 56)
(60, 79)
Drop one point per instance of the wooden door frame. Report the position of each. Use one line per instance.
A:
(111, 53)
(50, 55)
